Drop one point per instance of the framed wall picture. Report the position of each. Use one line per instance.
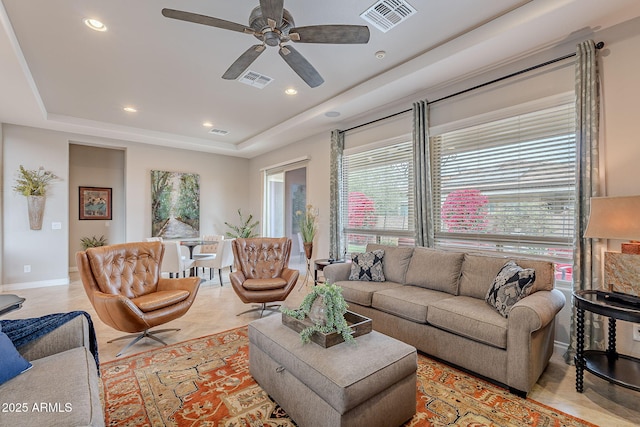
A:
(95, 203)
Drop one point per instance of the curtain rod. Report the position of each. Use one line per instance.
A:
(599, 45)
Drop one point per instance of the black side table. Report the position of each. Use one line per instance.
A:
(609, 365)
(10, 302)
(320, 264)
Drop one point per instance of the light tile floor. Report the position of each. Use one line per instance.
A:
(215, 310)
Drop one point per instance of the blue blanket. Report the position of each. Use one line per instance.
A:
(23, 331)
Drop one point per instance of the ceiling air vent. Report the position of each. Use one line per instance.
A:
(218, 132)
(254, 79)
(386, 14)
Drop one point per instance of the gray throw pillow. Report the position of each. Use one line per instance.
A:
(367, 266)
(512, 283)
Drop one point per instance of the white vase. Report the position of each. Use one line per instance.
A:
(35, 205)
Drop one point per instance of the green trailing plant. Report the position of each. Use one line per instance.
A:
(308, 224)
(335, 309)
(33, 182)
(245, 229)
(93, 242)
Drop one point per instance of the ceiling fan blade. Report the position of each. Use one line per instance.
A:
(336, 34)
(206, 20)
(272, 10)
(301, 66)
(243, 62)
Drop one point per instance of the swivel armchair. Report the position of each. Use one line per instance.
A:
(124, 286)
(262, 274)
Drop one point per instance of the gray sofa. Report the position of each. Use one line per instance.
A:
(62, 388)
(435, 301)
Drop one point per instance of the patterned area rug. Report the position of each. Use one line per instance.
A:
(206, 382)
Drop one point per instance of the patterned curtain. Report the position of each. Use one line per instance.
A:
(422, 175)
(335, 195)
(586, 256)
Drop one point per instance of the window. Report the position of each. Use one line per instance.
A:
(377, 196)
(508, 186)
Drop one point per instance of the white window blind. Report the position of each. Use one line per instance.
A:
(508, 185)
(377, 196)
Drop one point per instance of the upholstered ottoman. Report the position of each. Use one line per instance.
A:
(371, 383)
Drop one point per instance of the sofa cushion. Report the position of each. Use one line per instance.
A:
(471, 318)
(66, 383)
(396, 261)
(511, 284)
(435, 269)
(479, 271)
(12, 363)
(361, 293)
(409, 302)
(367, 266)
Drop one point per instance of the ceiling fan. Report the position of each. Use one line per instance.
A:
(273, 25)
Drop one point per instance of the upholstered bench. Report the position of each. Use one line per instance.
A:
(370, 383)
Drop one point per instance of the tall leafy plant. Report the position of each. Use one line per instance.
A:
(246, 229)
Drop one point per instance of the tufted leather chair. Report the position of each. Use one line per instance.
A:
(124, 286)
(262, 274)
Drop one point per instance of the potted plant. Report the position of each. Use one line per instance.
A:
(325, 307)
(33, 184)
(244, 230)
(92, 242)
(308, 227)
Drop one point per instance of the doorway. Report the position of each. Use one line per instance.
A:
(285, 201)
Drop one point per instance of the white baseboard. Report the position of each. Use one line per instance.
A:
(560, 347)
(73, 269)
(31, 285)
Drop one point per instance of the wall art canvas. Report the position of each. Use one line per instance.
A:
(175, 205)
(94, 203)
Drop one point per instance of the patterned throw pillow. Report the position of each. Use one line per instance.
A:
(510, 285)
(367, 266)
(12, 363)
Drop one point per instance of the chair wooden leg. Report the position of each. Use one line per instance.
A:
(220, 275)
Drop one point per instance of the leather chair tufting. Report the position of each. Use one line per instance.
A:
(262, 274)
(124, 286)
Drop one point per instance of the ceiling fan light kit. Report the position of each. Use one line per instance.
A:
(274, 26)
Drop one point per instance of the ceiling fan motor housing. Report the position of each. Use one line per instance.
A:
(271, 37)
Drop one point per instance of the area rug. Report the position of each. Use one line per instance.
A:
(206, 382)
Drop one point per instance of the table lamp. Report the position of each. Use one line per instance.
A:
(618, 218)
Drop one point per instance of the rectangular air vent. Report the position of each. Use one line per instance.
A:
(219, 132)
(254, 79)
(386, 14)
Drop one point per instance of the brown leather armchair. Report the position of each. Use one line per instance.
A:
(124, 286)
(262, 274)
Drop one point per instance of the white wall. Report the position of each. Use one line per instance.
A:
(44, 250)
(224, 187)
(95, 167)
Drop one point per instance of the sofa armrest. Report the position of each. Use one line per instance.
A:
(72, 334)
(537, 310)
(337, 272)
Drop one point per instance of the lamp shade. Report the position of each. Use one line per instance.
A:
(614, 218)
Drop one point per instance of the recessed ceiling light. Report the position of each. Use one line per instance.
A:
(332, 113)
(130, 110)
(291, 91)
(207, 124)
(94, 24)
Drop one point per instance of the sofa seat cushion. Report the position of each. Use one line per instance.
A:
(361, 293)
(409, 302)
(435, 269)
(160, 299)
(471, 318)
(66, 384)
